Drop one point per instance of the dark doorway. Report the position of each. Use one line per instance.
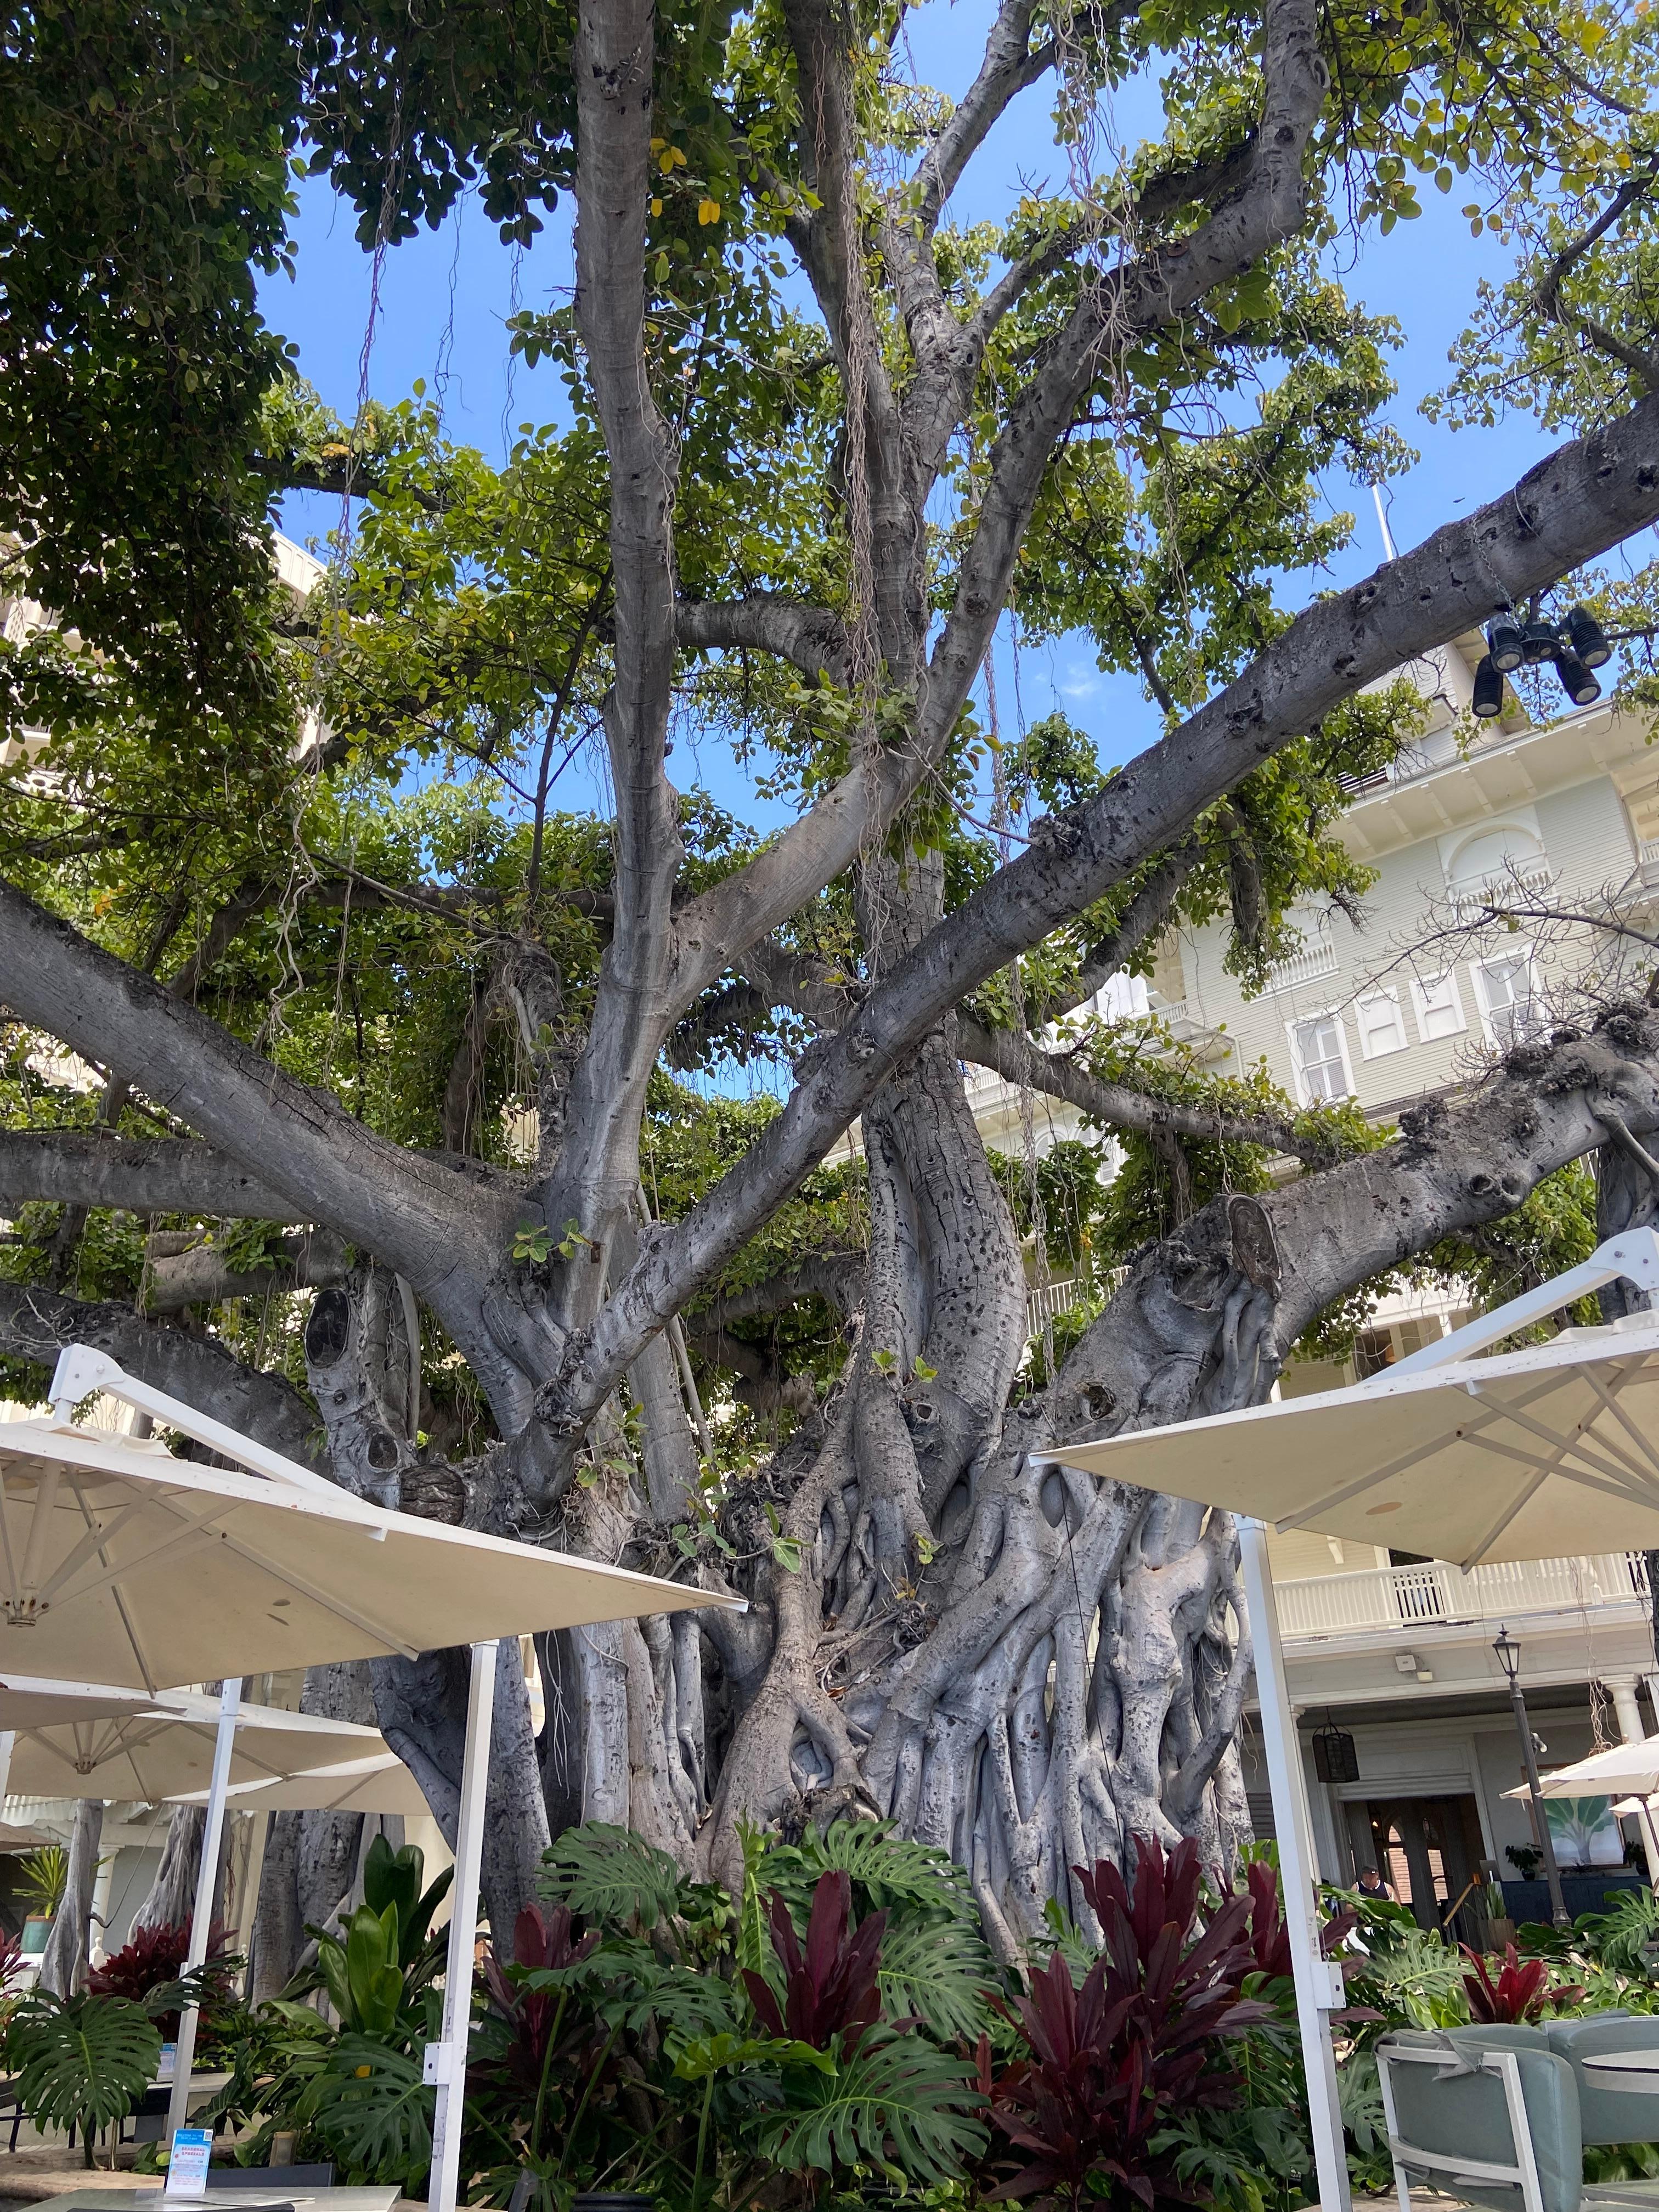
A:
(1428, 1850)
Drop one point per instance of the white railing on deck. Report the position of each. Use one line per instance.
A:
(1316, 957)
(1395, 1597)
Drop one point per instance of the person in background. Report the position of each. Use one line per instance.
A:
(1371, 1883)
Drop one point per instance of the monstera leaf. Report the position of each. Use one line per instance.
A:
(372, 2109)
(80, 2062)
(897, 2104)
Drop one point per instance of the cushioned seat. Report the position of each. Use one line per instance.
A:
(1496, 2116)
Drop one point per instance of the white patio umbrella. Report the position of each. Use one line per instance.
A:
(284, 1570)
(86, 1740)
(361, 1785)
(1628, 1770)
(1530, 1455)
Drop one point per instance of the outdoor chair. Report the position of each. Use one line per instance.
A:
(1499, 2116)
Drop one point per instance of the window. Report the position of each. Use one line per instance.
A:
(1509, 999)
(1439, 1006)
(1381, 1025)
(1322, 1061)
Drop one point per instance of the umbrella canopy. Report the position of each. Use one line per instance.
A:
(1531, 1454)
(362, 1785)
(121, 1563)
(1628, 1770)
(81, 1740)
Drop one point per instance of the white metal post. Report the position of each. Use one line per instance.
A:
(201, 1919)
(1318, 1981)
(446, 2062)
(7, 1738)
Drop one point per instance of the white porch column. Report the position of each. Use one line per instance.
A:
(1628, 1713)
(1318, 1982)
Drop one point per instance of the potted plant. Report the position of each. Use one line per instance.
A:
(44, 1877)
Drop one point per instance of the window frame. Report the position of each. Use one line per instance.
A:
(1525, 955)
(1301, 1021)
(1388, 998)
(1426, 1035)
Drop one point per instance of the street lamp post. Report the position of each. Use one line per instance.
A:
(1509, 1658)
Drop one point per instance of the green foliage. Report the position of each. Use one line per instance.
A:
(80, 2062)
(43, 1876)
(897, 2105)
(610, 1873)
(368, 2104)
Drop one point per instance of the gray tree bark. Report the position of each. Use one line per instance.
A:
(64, 1962)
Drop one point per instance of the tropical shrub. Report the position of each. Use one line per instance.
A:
(1521, 1992)
(1106, 2072)
(80, 2062)
(151, 1964)
(351, 2091)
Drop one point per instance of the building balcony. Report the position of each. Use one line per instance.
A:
(1386, 1601)
(1306, 965)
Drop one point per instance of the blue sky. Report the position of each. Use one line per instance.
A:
(445, 297)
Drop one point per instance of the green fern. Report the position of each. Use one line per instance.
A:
(897, 2104)
(80, 2062)
(609, 1875)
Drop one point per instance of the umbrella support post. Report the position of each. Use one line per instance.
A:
(446, 2062)
(7, 1739)
(207, 1877)
(1318, 1981)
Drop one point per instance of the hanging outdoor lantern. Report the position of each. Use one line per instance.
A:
(1336, 1756)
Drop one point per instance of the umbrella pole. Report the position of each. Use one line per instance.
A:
(1318, 1982)
(446, 2062)
(201, 1919)
(7, 1739)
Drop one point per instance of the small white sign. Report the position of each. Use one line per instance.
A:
(187, 2168)
(168, 2065)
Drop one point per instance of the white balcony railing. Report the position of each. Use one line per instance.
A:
(1306, 965)
(1527, 879)
(1423, 1596)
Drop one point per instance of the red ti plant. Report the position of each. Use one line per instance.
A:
(831, 1987)
(1519, 1995)
(542, 1940)
(1109, 2066)
(154, 1959)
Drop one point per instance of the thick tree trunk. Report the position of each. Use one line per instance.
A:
(63, 1963)
(170, 1897)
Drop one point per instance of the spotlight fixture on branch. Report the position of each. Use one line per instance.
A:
(1488, 701)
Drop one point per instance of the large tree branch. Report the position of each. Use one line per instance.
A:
(435, 1223)
(1453, 1170)
(1010, 64)
(73, 1167)
(1116, 1105)
(1587, 496)
(597, 1172)
(813, 638)
(35, 1324)
(1115, 313)
(200, 1275)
